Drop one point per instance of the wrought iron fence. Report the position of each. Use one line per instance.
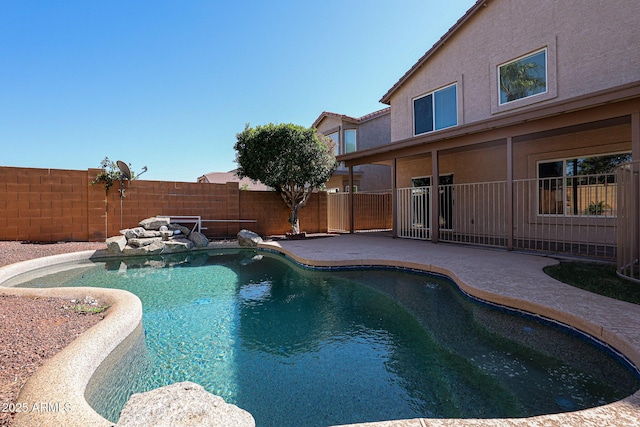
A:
(473, 213)
(628, 179)
(414, 213)
(575, 215)
(372, 211)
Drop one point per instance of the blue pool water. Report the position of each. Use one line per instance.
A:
(316, 348)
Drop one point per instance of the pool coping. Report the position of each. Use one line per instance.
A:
(64, 377)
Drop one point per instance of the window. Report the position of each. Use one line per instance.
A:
(580, 186)
(335, 136)
(350, 140)
(523, 77)
(436, 110)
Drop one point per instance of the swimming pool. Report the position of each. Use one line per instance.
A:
(300, 347)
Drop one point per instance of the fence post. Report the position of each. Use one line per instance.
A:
(509, 198)
(394, 199)
(351, 210)
(435, 197)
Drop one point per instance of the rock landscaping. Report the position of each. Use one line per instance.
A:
(156, 236)
(248, 239)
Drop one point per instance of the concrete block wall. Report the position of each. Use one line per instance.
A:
(50, 205)
(272, 214)
(43, 204)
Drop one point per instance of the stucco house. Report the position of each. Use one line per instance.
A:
(508, 131)
(351, 134)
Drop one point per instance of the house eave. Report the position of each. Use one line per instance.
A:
(608, 96)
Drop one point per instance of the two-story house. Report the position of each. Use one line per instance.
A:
(508, 131)
(351, 134)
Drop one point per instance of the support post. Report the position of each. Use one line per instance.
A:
(394, 199)
(509, 195)
(351, 211)
(635, 177)
(635, 136)
(435, 197)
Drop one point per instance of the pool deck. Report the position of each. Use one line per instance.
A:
(506, 278)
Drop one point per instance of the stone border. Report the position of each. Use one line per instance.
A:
(64, 377)
(625, 412)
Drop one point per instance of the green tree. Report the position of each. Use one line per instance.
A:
(291, 159)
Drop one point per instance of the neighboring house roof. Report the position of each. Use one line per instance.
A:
(346, 118)
(480, 4)
(224, 177)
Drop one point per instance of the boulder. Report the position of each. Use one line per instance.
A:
(154, 223)
(181, 228)
(139, 232)
(248, 239)
(156, 247)
(140, 242)
(177, 245)
(116, 244)
(183, 404)
(166, 234)
(132, 233)
(199, 239)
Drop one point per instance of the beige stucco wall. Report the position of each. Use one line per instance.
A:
(370, 133)
(593, 45)
(480, 164)
(527, 154)
(328, 125)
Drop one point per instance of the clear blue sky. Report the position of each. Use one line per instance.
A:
(168, 84)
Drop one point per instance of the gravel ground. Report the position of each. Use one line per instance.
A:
(33, 330)
(11, 252)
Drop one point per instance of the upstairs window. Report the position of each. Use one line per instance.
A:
(436, 110)
(523, 77)
(336, 139)
(350, 141)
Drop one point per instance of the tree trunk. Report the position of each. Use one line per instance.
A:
(295, 221)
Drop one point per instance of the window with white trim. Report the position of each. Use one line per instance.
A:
(350, 140)
(436, 110)
(584, 186)
(523, 77)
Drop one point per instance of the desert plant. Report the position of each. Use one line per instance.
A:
(597, 208)
(110, 173)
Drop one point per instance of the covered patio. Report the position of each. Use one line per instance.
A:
(494, 187)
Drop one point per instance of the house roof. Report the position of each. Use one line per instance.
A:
(346, 118)
(224, 177)
(480, 4)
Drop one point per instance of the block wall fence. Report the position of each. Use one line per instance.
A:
(52, 205)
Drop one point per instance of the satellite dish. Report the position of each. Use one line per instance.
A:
(124, 170)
